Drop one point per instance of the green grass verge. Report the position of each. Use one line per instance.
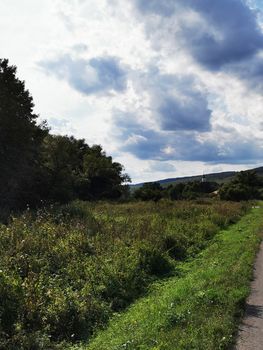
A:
(199, 310)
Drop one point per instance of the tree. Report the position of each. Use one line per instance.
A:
(75, 170)
(235, 192)
(246, 185)
(104, 176)
(248, 178)
(20, 139)
(191, 190)
(62, 162)
(175, 192)
(150, 191)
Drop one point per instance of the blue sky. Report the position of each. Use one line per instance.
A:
(169, 88)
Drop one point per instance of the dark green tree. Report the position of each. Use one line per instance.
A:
(62, 164)
(191, 190)
(75, 170)
(246, 185)
(248, 178)
(175, 192)
(20, 139)
(150, 191)
(105, 177)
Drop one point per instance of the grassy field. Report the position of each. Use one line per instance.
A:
(67, 271)
(198, 310)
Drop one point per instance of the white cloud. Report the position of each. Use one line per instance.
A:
(149, 47)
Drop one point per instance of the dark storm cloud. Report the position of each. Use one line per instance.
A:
(231, 34)
(250, 71)
(176, 101)
(193, 114)
(188, 148)
(110, 74)
(95, 76)
(164, 146)
(147, 144)
(237, 35)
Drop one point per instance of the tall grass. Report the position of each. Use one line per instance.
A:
(199, 310)
(65, 271)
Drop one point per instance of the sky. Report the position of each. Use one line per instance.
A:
(168, 88)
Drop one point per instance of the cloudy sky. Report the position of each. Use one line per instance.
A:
(169, 88)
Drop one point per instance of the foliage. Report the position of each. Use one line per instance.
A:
(75, 170)
(20, 140)
(105, 177)
(246, 185)
(188, 190)
(67, 269)
(150, 191)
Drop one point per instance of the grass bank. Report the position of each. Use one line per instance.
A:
(199, 310)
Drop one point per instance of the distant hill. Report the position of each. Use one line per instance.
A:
(217, 177)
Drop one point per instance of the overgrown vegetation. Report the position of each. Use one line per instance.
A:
(199, 309)
(66, 270)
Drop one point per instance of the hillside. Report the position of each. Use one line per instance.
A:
(217, 177)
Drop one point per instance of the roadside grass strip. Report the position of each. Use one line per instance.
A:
(200, 309)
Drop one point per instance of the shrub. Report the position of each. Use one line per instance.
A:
(153, 261)
(151, 191)
(11, 301)
(174, 247)
(245, 186)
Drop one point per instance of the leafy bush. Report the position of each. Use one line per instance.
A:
(175, 247)
(246, 185)
(153, 261)
(150, 191)
(10, 304)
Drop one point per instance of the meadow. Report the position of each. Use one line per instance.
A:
(67, 272)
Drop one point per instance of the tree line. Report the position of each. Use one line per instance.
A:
(37, 166)
(245, 185)
(178, 191)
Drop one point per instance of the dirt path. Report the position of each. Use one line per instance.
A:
(250, 336)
